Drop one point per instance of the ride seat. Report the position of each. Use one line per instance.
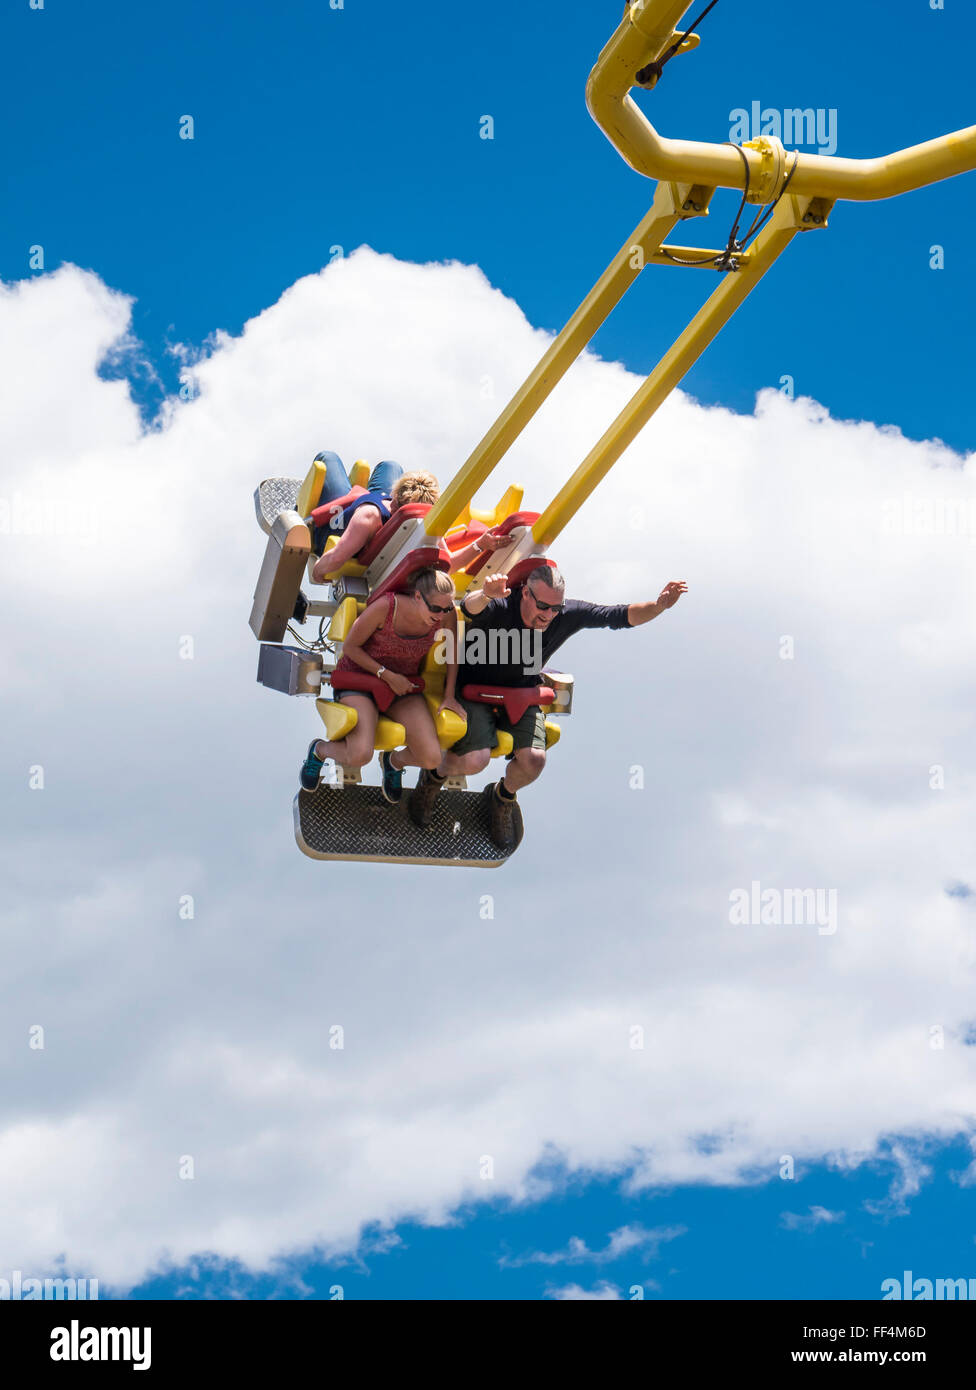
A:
(321, 516)
(510, 501)
(504, 528)
(371, 685)
(460, 536)
(422, 557)
(408, 512)
(514, 699)
(525, 567)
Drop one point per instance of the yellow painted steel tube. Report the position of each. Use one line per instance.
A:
(605, 294)
(646, 33)
(710, 319)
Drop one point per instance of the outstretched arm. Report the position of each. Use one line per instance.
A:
(638, 613)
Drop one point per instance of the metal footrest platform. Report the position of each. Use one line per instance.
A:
(355, 823)
(272, 496)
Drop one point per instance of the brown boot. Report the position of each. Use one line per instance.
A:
(420, 806)
(504, 819)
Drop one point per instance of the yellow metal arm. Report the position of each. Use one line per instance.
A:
(789, 218)
(619, 275)
(645, 34)
(803, 188)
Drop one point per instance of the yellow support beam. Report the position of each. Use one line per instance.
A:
(645, 34)
(790, 217)
(666, 210)
(689, 172)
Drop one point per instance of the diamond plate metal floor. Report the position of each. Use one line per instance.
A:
(275, 495)
(357, 824)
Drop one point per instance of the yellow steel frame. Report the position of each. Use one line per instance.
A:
(688, 173)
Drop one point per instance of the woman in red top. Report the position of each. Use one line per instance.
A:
(390, 639)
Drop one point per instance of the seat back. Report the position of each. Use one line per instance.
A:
(421, 558)
(406, 513)
(504, 528)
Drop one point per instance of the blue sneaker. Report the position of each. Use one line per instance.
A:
(392, 787)
(311, 769)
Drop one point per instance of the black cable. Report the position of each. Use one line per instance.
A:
(321, 643)
(723, 261)
(733, 247)
(763, 216)
(655, 69)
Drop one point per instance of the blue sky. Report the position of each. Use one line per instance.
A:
(715, 1244)
(318, 128)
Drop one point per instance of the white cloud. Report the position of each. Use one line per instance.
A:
(910, 1173)
(601, 1292)
(513, 1038)
(626, 1240)
(815, 1216)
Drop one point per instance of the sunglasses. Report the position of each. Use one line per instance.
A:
(435, 608)
(544, 607)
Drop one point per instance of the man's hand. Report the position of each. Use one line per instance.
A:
(639, 613)
(496, 586)
(670, 594)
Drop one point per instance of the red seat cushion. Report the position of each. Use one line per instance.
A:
(515, 699)
(502, 529)
(321, 516)
(464, 535)
(371, 685)
(405, 513)
(525, 567)
(424, 557)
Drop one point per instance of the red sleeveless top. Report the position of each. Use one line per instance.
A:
(405, 655)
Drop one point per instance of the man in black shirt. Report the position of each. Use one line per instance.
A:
(509, 635)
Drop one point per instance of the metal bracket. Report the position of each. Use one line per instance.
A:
(816, 213)
(348, 586)
(692, 199)
(771, 169)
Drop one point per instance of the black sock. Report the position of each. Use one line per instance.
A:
(503, 791)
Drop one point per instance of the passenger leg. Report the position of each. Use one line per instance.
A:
(423, 749)
(356, 749)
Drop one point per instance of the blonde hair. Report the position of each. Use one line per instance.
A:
(414, 487)
(430, 581)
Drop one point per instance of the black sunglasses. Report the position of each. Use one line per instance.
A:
(545, 607)
(434, 608)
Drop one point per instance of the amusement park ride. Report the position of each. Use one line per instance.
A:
(795, 192)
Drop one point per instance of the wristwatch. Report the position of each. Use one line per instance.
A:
(379, 673)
